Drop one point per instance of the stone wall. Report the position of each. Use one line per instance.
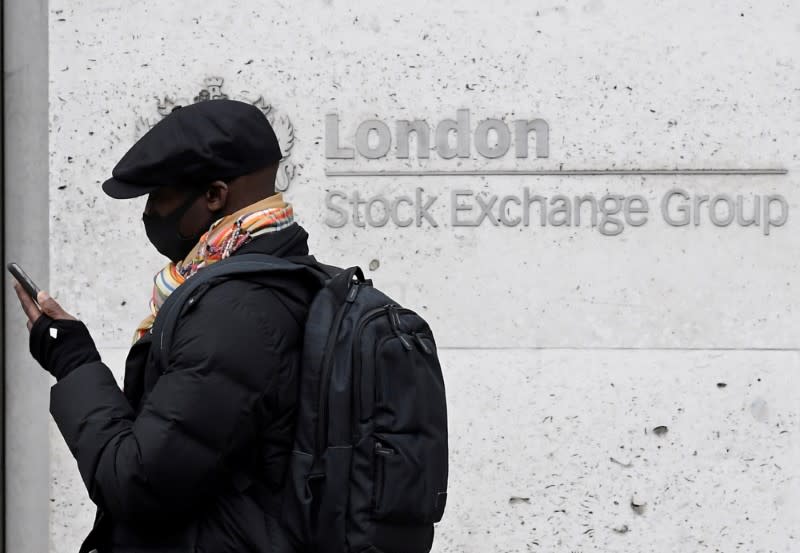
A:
(623, 386)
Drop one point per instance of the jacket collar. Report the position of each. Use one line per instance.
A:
(289, 242)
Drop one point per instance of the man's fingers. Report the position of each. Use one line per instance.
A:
(51, 308)
(47, 305)
(28, 305)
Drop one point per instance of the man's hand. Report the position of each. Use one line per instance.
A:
(49, 306)
(59, 341)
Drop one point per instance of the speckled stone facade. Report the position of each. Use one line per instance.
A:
(624, 393)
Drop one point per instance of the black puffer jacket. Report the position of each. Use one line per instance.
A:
(169, 461)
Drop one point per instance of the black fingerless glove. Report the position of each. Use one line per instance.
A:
(61, 346)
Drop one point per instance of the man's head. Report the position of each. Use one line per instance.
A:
(200, 163)
(175, 217)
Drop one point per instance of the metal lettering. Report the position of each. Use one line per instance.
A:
(357, 202)
(712, 210)
(682, 208)
(384, 139)
(698, 201)
(422, 210)
(423, 133)
(377, 200)
(482, 138)
(461, 128)
(332, 148)
(456, 207)
(342, 221)
(756, 220)
(607, 218)
(527, 200)
(563, 208)
(579, 201)
(781, 220)
(502, 211)
(486, 209)
(542, 130)
(630, 210)
(395, 215)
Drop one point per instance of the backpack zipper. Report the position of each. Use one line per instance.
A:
(369, 316)
(381, 452)
(425, 347)
(357, 360)
(394, 319)
(325, 380)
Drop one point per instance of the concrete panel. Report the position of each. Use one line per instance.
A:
(678, 85)
(571, 345)
(554, 450)
(549, 448)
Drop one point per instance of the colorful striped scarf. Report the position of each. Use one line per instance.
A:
(223, 238)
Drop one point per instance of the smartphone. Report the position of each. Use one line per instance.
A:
(22, 277)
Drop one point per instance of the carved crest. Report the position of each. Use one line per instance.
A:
(212, 90)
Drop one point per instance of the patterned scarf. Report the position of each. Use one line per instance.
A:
(223, 238)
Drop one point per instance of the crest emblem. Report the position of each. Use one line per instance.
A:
(212, 90)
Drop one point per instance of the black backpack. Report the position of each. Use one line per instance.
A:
(369, 466)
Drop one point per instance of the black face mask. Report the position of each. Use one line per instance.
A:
(163, 233)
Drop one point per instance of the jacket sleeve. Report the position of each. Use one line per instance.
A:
(169, 458)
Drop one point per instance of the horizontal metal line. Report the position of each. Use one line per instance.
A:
(613, 348)
(558, 173)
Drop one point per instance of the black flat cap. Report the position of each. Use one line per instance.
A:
(195, 145)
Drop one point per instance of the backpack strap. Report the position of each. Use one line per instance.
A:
(336, 279)
(190, 291)
(323, 272)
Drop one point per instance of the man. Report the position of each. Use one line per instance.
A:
(190, 457)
